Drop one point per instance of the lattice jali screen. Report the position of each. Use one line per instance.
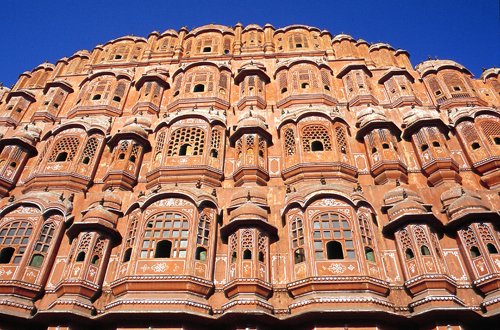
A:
(313, 133)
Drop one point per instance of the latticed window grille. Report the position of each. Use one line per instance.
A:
(90, 150)
(289, 142)
(199, 78)
(233, 246)
(454, 83)
(469, 132)
(84, 244)
(366, 230)
(314, 133)
(68, 144)
(170, 226)
(216, 140)
(282, 80)
(15, 235)
(325, 79)
(332, 227)
(131, 231)
(340, 135)
(160, 143)
(203, 230)
(247, 239)
(42, 245)
(469, 237)
(99, 247)
(297, 41)
(262, 246)
(190, 138)
(297, 231)
(491, 130)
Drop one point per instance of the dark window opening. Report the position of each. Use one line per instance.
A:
(207, 49)
(374, 150)
(437, 93)
(334, 250)
(425, 250)
(435, 144)
(247, 254)
(46, 103)
(118, 57)
(284, 90)
(10, 107)
(127, 255)
(385, 145)
(299, 256)
(424, 147)
(327, 88)
(132, 159)
(304, 86)
(298, 45)
(56, 105)
(497, 140)
(121, 156)
(343, 150)
(370, 256)
(474, 252)
(214, 153)
(201, 253)
(403, 88)
(6, 254)
(36, 261)
(95, 260)
(199, 88)
(409, 254)
(475, 146)
(317, 146)
(233, 257)
(117, 99)
(62, 156)
(13, 164)
(163, 249)
(261, 256)
(176, 93)
(261, 153)
(19, 110)
(184, 149)
(86, 160)
(457, 88)
(226, 51)
(96, 97)
(80, 257)
(491, 248)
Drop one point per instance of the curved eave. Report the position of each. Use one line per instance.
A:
(297, 115)
(90, 129)
(46, 207)
(58, 83)
(219, 66)
(471, 115)
(436, 68)
(408, 130)
(22, 93)
(295, 27)
(428, 218)
(199, 199)
(118, 75)
(393, 72)
(19, 142)
(152, 77)
(232, 226)
(116, 138)
(355, 66)
(239, 131)
(242, 73)
(289, 64)
(78, 227)
(209, 118)
(484, 216)
(378, 124)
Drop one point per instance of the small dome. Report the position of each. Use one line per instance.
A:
(98, 212)
(435, 65)
(406, 206)
(29, 133)
(369, 115)
(340, 37)
(399, 194)
(458, 202)
(249, 211)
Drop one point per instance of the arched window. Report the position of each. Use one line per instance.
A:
(165, 227)
(332, 230)
(425, 250)
(317, 133)
(474, 251)
(186, 139)
(369, 255)
(299, 256)
(199, 88)
(409, 254)
(14, 238)
(247, 254)
(317, 146)
(80, 257)
(491, 248)
(201, 253)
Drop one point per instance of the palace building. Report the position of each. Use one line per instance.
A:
(249, 177)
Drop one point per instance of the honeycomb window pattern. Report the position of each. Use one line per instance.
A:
(68, 144)
(314, 133)
(191, 140)
(90, 150)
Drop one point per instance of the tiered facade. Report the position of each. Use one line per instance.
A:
(249, 177)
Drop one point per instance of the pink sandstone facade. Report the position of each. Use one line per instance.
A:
(249, 178)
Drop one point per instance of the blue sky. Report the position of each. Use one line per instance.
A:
(467, 31)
